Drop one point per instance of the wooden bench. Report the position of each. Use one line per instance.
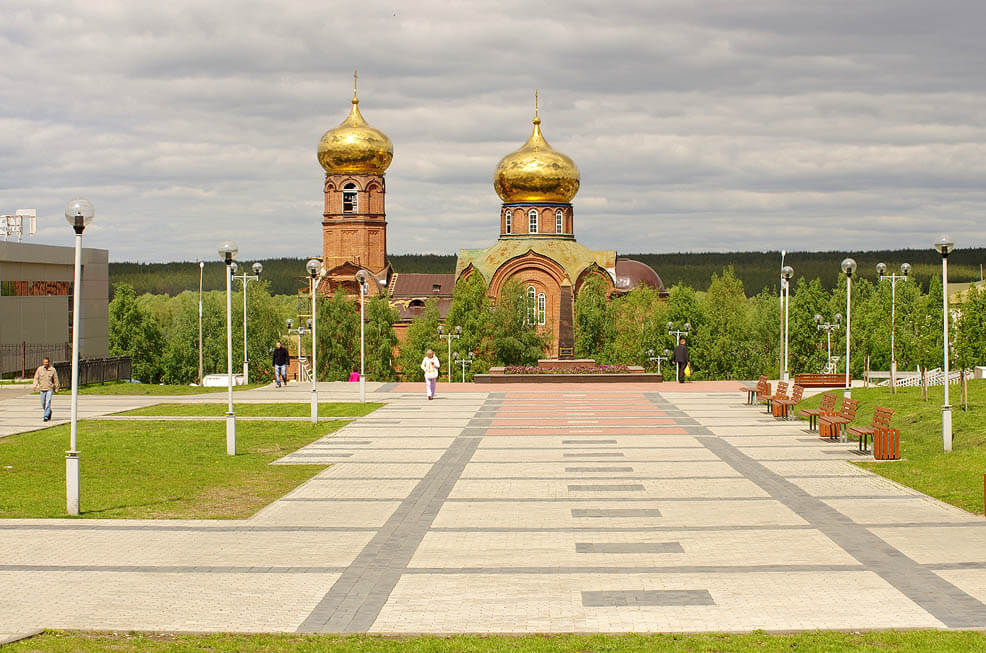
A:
(782, 406)
(821, 380)
(881, 419)
(828, 405)
(834, 425)
(752, 390)
(780, 394)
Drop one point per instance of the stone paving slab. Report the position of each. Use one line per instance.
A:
(433, 519)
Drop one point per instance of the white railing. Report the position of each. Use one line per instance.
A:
(305, 370)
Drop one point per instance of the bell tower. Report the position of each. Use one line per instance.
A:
(355, 157)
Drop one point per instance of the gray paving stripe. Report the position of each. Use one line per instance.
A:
(338, 442)
(651, 499)
(603, 454)
(941, 599)
(604, 599)
(624, 529)
(355, 600)
(632, 487)
(628, 547)
(588, 441)
(354, 499)
(615, 571)
(315, 455)
(174, 569)
(386, 387)
(615, 513)
(599, 469)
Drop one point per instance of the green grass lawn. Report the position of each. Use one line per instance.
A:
(326, 409)
(155, 470)
(884, 641)
(956, 477)
(142, 389)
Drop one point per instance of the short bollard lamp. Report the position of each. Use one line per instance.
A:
(79, 213)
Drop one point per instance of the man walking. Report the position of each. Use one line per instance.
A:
(46, 380)
(281, 358)
(680, 358)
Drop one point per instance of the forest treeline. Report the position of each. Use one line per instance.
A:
(757, 270)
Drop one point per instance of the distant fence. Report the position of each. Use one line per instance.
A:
(24, 358)
(95, 370)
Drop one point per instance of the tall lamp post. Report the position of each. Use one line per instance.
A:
(678, 334)
(464, 360)
(79, 213)
(651, 357)
(828, 328)
(786, 273)
(314, 266)
(257, 269)
(300, 331)
(848, 269)
(945, 246)
(881, 270)
(780, 362)
(362, 278)
(201, 269)
(455, 333)
(227, 250)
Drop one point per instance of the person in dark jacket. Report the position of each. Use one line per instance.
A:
(680, 358)
(281, 358)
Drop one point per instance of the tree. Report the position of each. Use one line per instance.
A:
(514, 340)
(718, 343)
(136, 333)
(808, 345)
(421, 336)
(970, 335)
(635, 324)
(338, 337)
(380, 339)
(471, 309)
(592, 319)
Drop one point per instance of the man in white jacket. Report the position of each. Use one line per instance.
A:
(430, 365)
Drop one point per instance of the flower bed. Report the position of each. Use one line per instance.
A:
(595, 369)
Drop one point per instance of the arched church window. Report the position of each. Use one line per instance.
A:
(531, 305)
(532, 215)
(350, 201)
(541, 308)
(506, 221)
(559, 221)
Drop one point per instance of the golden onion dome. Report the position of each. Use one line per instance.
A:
(355, 147)
(536, 173)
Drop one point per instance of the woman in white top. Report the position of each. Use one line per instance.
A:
(430, 366)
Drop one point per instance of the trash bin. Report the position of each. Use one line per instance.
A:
(886, 443)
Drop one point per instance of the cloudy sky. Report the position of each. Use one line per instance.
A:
(697, 126)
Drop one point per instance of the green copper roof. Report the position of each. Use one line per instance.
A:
(570, 255)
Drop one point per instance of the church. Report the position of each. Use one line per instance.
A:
(536, 244)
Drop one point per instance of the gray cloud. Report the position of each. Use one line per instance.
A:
(715, 125)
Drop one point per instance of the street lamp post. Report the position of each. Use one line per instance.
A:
(881, 270)
(362, 278)
(314, 267)
(227, 250)
(786, 273)
(651, 357)
(945, 246)
(848, 268)
(257, 269)
(780, 362)
(455, 333)
(678, 334)
(828, 328)
(465, 361)
(79, 213)
(201, 269)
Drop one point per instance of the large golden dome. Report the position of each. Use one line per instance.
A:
(536, 173)
(355, 147)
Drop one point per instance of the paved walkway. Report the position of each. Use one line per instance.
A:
(541, 508)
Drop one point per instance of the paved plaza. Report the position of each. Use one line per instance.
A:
(507, 509)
